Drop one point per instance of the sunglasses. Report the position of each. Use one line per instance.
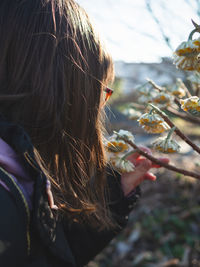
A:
(108, 92)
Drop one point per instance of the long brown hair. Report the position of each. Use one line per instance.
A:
(52, 73)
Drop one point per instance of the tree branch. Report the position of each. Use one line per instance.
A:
(183, 116)
(160, 163)
(177, 131)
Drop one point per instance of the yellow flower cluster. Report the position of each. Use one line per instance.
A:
(147, 93)
(191, 104)
(186, 55)
(116, 146)
(162, 99)
(150, 119)
(125, 134)
(153, 123)
(178, 89)
(145, 89)
(166, 146)
(116, 150)
(154, 129)
(122, 165)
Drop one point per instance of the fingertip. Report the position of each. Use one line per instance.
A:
(164, 159)
(133, 156)
(150, 176)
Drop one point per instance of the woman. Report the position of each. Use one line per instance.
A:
(53, 76)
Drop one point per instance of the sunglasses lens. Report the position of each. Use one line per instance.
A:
(108, 93)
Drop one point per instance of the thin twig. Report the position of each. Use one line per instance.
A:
(163, 89)
(197, 91)
(177, 102)
(184, 87)
(157, 87)
(159, 162)
(183, 116)
(177, 131)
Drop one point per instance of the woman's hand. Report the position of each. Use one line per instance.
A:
(142, 166)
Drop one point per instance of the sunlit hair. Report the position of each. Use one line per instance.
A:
(52, 73)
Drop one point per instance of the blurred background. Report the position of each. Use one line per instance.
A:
(141, 35)
(142, 30)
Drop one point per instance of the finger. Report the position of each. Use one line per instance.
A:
(132, 179)
(136, 155)
(138, 177)
(164, 160)
(145, 162)
(142, 168)
(133, 157)
(149, 176)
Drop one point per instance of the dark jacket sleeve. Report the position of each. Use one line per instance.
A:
(13, 246)
(86, 242)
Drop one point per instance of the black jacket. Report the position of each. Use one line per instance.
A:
(37, 239)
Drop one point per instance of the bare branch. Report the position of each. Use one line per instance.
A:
(165, 37)
(184, 116)
(159, 162)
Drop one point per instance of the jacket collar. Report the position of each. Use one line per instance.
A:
(50, 231)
